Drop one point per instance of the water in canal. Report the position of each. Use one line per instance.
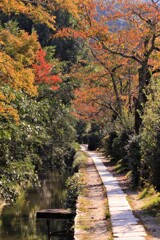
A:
(18, 222)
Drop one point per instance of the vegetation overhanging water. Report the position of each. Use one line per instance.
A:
(18, 222)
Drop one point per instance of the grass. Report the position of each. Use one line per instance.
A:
(107, 214)
(153, 203)
(150, 200)
(76, 146)
(84, 205)
(147, 191)
(120, 167)
(85, 219)
(80, 160)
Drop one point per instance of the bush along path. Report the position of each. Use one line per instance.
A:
(125, 226)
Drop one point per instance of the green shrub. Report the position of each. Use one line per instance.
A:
(75, 182)
(82, 131)
(69, 156)
(150, 139)
(108, 141)
(80, 159)
(85, 139)
(134, 158)
(150, 167)
(74, 185)
(118, 146)
(93, 141)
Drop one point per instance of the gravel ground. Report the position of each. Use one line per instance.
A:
(91, 220)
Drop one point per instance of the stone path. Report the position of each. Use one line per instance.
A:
(124, 224)
(90, 220)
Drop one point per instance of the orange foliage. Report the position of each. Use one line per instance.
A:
(36, 12)
(16, 59)
(16, 74)
(124, 38)
(43, 71)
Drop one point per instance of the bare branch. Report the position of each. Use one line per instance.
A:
(122, 54)
(156, 71)
(110, 107)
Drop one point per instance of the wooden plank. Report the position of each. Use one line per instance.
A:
(55, 214)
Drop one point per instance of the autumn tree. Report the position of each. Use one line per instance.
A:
(39, 11)
(17, 54)
(30, 95)
(126, 32)
(43, 71)
(138, 41)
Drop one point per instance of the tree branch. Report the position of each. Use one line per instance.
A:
(156, 71)
(121, 54)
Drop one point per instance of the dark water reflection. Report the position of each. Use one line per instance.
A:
(18, 222)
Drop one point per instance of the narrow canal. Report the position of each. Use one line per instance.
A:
(18, 222)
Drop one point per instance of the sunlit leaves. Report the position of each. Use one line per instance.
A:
(17, 54)
(43, 71)
(28, 80)
(124, 38)
(37, 13)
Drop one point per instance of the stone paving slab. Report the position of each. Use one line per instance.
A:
(114, 203)
(115, 193)
(121, 215)
(124, 224)
(130, 238)
(129, 228)
(118, 208)
(131, 234)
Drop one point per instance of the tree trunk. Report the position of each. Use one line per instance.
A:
(144, 80)
(119, 104)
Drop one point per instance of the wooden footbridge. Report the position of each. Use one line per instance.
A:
(49, 214)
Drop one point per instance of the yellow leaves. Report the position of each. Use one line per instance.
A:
(24, 79)
(71, 6)
(9, 112)
(38, 13)
(21, 47)
(6, 66)
(18, 53)
(16, 79)
(70, 33)
(16, 73)
(6, 110)
(9, 6)
(76, 7)
(2, 43)
(3, 97)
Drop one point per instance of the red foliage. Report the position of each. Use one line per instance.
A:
(43, 72)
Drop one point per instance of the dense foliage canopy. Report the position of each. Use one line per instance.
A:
(36, 128)
(91, 62)
(122, 41)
